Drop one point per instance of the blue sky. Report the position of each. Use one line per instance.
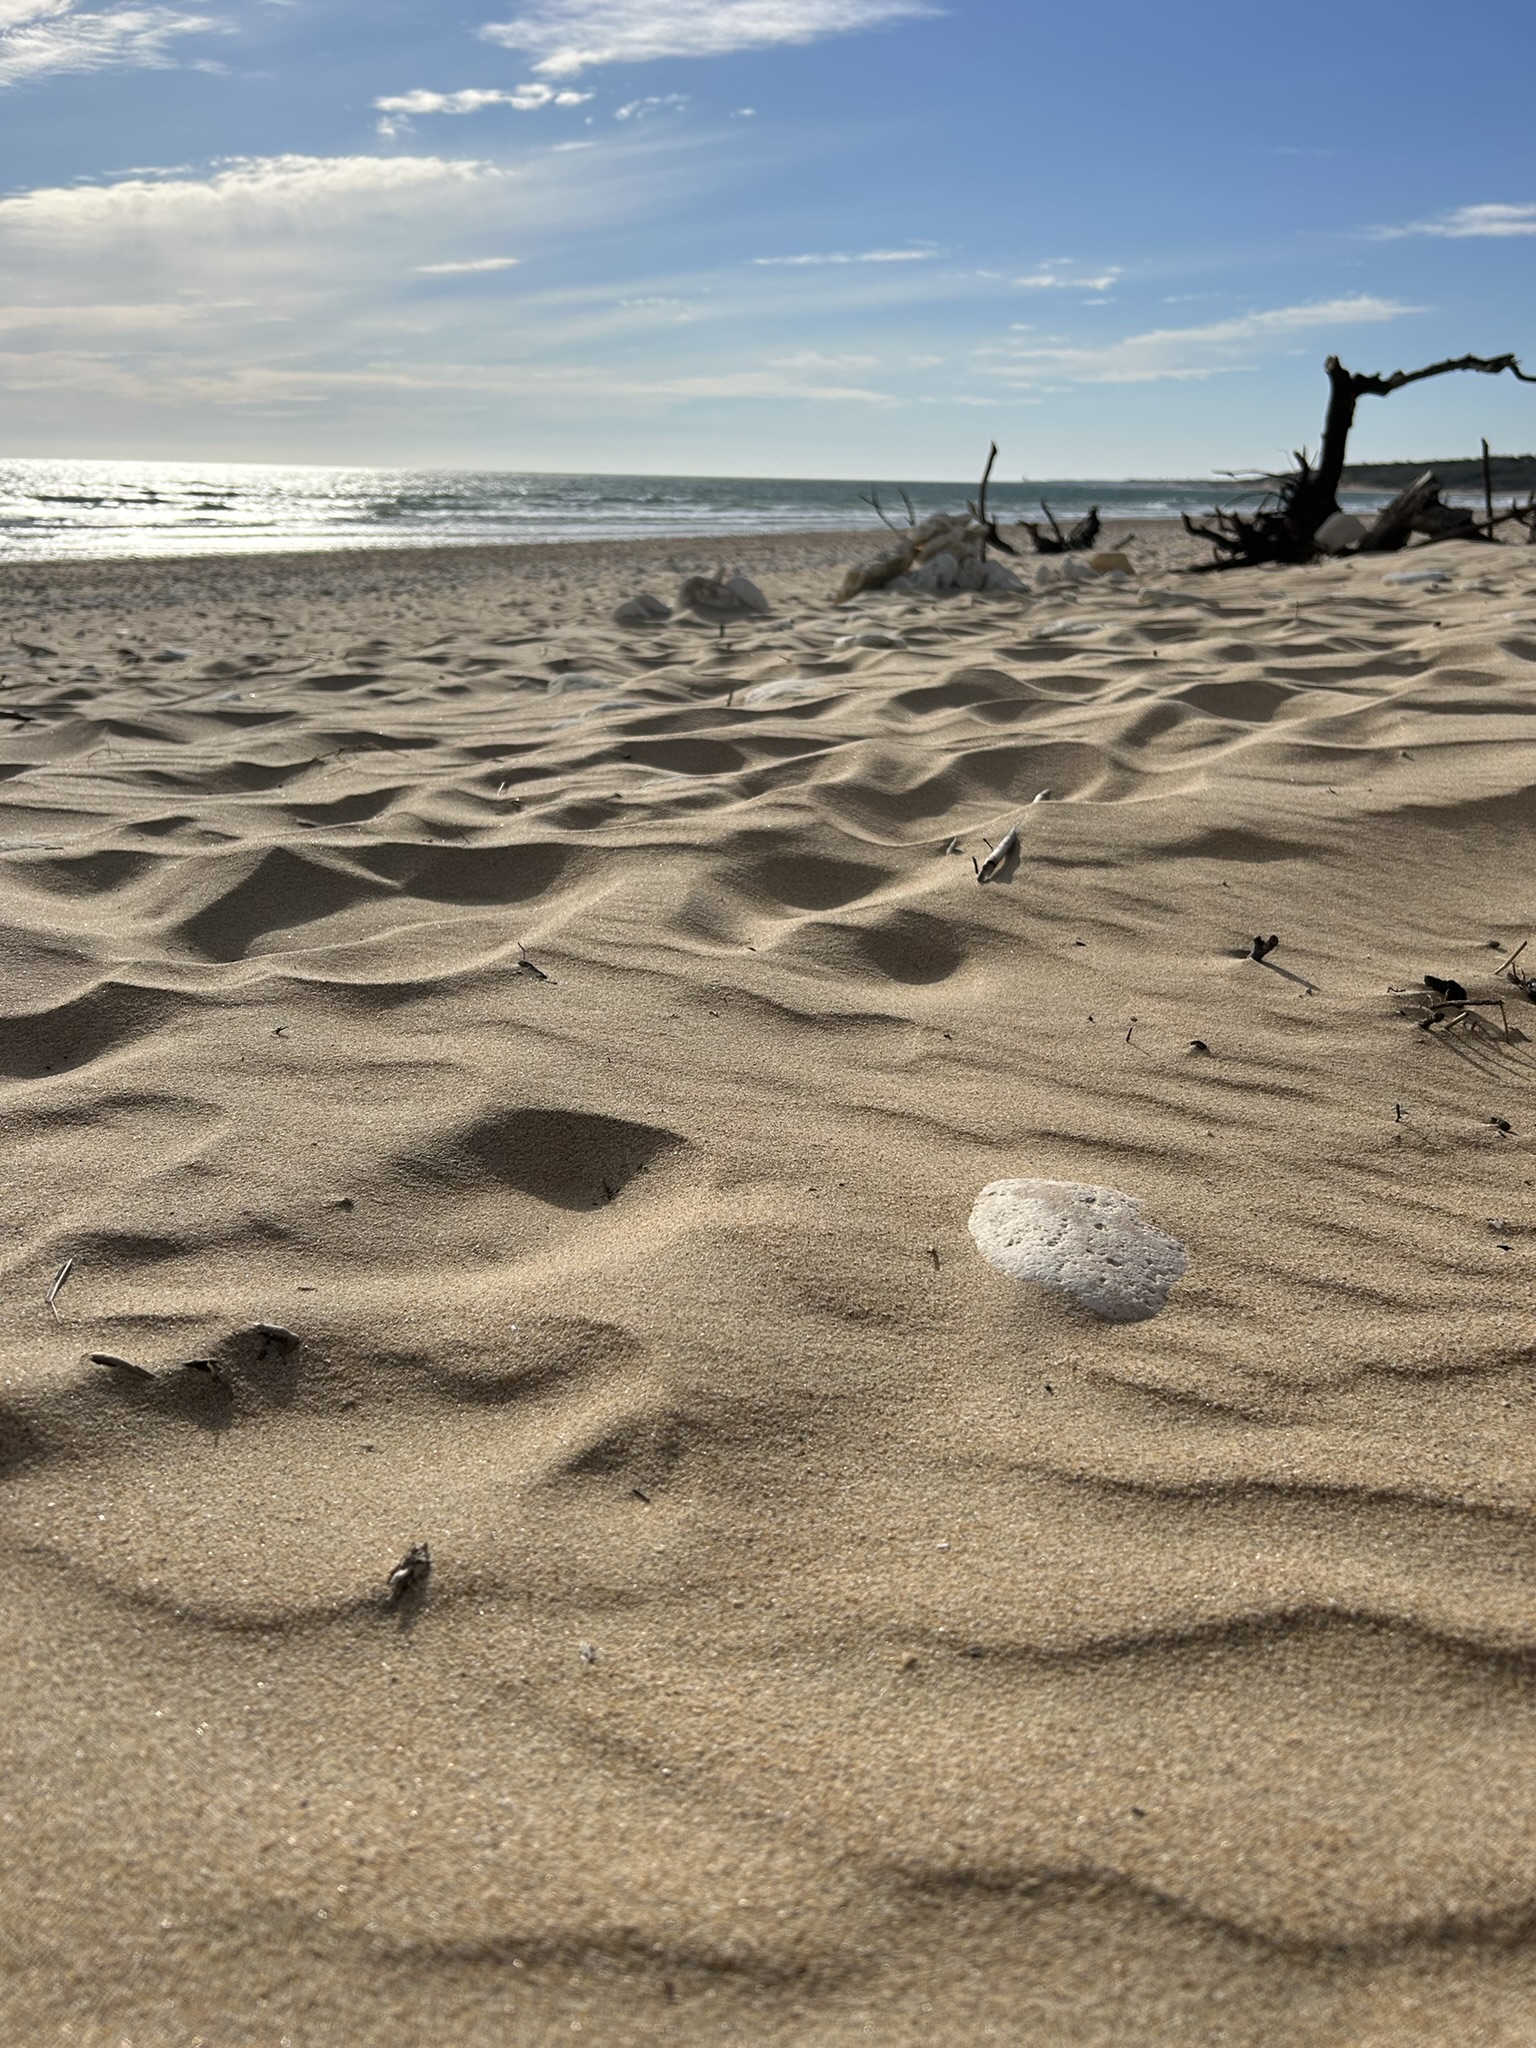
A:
(792, 237)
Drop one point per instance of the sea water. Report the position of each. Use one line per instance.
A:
(102, 510)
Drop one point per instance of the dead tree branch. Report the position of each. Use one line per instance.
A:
(979, 503)
(1284, 527)
(1077, 541)
(871, 497)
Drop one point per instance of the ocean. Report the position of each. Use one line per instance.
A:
(112, 510)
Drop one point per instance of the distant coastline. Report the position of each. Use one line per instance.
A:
(1510, 473)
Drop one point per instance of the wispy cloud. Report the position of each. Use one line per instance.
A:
(41, 36)
(636, 110)
(226, 383)
(567, 36)
(1060, 277)
(813, 359)
(918, 255)
(524, 99)
(1463, 222)
(1188, 352)
(471, 268)
(308, 191)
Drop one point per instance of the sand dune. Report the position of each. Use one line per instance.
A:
(589, 1042)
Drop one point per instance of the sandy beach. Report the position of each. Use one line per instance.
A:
(580, 1047)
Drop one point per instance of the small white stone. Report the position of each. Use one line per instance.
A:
(642, 610)
(1090, 1242)
(1340, 530)
(747, 594)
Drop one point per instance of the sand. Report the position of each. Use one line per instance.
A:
(829, 1638)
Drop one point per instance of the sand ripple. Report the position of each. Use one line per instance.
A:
(589, 1049)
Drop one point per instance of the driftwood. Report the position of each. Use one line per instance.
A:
(1079, 540)
(1419, 509)
(946, 551)
(1285, 524)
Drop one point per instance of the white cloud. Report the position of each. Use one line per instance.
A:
(40, 36)
(296, 191)
(352, 287)
(293, 232)
(1187, 352)
(104, 322)
(524, 99)
(1055, 277)
(920, 255)
(477, 264)
(812, 359)
(567, 36)
(637, 110)
(1466, 221)
(223, 383)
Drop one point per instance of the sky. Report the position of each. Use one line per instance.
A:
(821, 238)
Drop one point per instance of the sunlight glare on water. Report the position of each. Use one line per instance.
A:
(101, 510)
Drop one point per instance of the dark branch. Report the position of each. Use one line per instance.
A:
(986, 478)
(1284, 526)
(872, 499)
(1382, 387)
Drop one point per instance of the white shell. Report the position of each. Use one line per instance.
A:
(1092, 1243)
(786, 689)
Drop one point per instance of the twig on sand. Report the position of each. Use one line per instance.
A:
(1444, 1002)
(1508, 966)
(526, 966)
(999, 856)
(58, 1281)
(113, 1363)
(409, 1575)
(1262, 948)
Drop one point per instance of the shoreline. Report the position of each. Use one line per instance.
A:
(779, 554)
